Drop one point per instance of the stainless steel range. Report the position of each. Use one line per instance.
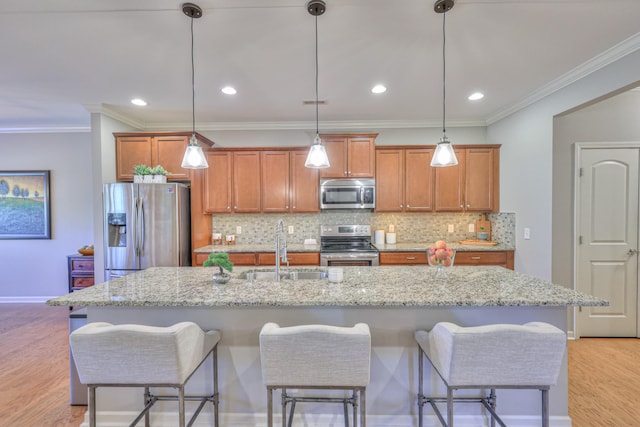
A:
(345, 245)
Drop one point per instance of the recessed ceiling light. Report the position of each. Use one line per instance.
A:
(139, 102)
(476, 96)
(379, 89)
(229, 90)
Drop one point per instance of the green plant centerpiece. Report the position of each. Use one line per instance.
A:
(158, 170)
(141, 170)
(220, 259)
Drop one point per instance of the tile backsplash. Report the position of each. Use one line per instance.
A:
(409, 227)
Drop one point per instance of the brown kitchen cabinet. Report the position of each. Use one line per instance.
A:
(232, 182)
(238, 259)
(350, 155)
(472, 185)
(80, 272)
(265, 258)
(501, 258)
(404, 179)
(295, 258)
(287, 185)
(151, 149)
(403, 258)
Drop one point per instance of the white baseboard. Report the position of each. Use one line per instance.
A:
(25, 300)
(168, 419)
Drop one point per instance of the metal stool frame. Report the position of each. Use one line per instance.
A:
(150, 399)
(489, 402)
(358, 398)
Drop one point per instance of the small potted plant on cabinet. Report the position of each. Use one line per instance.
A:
(141, 173)
(221, 260)
(159, 174)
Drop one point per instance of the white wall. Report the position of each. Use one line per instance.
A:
(32, 270)
(527, 158)
(608, 121)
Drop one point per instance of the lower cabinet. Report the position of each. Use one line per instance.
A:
(80, 269)
(241, 259)
(500, 258)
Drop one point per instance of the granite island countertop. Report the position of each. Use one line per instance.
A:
(296, 247)
(392, 286)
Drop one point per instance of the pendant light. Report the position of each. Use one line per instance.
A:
(444, 155)
(317, 157)
(194, 157)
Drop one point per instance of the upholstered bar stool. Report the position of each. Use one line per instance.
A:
(316, 357)
(490, 357)
(109, 355)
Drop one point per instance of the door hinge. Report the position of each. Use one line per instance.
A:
(580, 172)
(580, 240)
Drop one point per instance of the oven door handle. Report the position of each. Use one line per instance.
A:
(361, 196)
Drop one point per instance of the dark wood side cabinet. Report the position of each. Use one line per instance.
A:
(80, 272)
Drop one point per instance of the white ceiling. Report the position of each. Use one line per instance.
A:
(61, 59)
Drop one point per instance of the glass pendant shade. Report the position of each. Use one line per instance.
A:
(194, 157)
(444, 155)
(317, 157)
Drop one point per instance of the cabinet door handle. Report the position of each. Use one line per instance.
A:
(349, 173)
(407, 206)
(411, 257)
(475, 257)
(345, 172)
(294, 207)
(401, 206)
(286, 207)
(461, 206)
(468, 205)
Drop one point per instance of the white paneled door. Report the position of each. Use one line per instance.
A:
(607, 257)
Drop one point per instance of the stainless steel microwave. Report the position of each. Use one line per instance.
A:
(347, 193)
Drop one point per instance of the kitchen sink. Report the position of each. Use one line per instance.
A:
(291, 275)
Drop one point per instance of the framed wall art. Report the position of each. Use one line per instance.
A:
(25, 210)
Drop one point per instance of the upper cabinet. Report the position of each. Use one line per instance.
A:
(350, 155)
(259, 181)
(404, 179)
(151, 149)
(472, 185)
(232, 182)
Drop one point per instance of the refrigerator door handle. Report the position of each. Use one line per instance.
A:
(136, 227)
(142, 227)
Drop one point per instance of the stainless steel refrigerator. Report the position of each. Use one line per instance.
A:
(145, 225)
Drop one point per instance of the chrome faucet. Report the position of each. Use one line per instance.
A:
(281, 249)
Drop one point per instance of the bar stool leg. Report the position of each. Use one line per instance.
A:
(216, 397)
(492, 399)
(181, 417)
(147, 399)
(545, 408)
(291, 411)
(363, 409)
(449, 407)
(269, 407)
(284, 407)
(346, 412)
(420, 385)
(92, 406)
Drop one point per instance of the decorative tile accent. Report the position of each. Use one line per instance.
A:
(409, 227)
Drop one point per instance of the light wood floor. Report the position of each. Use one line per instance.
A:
(604, 374)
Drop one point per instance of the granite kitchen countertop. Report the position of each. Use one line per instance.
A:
(383, 286)
(296, 247)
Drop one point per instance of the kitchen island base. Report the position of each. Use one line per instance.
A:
(391, 395)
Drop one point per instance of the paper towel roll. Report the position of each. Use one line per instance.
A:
(391, 238)
(378, 237)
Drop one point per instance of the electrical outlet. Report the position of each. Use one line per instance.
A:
(238, 229)
(291, 229)
(450, 228)
(527, 233)
(472, 228)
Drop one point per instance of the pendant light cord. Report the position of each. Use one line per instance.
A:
(317, 132)
(193, 86)
(444, 72)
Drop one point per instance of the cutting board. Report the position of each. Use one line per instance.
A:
(475, 242)
(483, 222)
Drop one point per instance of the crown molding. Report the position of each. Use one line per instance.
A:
(46, 129)
(596, 63)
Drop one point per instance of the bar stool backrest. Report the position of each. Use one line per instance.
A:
(315, 355)
(139, 354)
(498, 355)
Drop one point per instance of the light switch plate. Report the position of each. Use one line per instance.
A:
(238, 229)
(450, 228)
(527, 233)
(291, 229)
(472, 228)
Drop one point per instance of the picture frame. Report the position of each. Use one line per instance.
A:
(25, 206)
